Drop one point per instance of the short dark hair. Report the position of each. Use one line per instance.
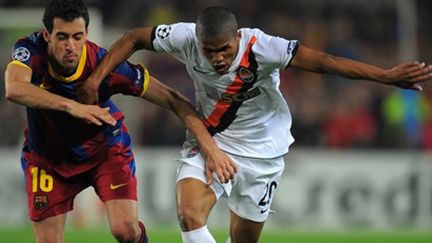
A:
(67, 10)
(216, 22)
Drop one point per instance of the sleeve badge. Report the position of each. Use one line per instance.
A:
(21, 54)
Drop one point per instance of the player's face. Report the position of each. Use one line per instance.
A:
(65, 44)
(220, 52)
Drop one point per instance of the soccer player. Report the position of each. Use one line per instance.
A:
(236, 77)
(70, 146)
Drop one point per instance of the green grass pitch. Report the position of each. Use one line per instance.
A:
(171, 235)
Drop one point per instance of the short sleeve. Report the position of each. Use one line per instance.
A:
(174, 38)
(275, 52)
(128, 79)
(26, 54)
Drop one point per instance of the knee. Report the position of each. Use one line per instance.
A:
(48, 239)
(190, 218)
(247, 240)
(126, 232)
(242, 239)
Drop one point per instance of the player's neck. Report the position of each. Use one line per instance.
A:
(61, 70)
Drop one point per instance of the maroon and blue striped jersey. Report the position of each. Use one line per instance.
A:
(69, 144)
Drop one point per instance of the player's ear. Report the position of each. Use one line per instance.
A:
(238, 36)
(45, 34)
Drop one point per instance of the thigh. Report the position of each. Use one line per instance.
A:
(122, 211)
(48, 194)
(50, 229)
(254, 187)
(192, 193)
(194, 197)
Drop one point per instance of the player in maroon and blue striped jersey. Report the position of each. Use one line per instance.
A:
(70, 146)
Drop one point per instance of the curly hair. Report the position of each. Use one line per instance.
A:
(67, 10)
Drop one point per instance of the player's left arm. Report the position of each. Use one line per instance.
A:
(216, 160)
(406, 75)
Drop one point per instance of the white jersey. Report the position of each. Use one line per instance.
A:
(244, 108)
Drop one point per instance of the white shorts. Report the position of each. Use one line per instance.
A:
(250, 193)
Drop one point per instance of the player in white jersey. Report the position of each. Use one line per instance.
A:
(236, 79)
(244, 108)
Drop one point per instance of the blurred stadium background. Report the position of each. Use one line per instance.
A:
(360, 169)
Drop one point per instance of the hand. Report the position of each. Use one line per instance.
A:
(92, 114)
(88, 93)
(409, 75)
(220, 163)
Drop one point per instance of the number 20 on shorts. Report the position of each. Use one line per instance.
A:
(41, 180)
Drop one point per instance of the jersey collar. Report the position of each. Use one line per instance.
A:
(77, 73)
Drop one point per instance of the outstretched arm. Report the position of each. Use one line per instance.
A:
(120, 51)
(216, 160)
(21, 91)
(407, 75)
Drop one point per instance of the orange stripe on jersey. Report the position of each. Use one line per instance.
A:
(222, 107)
(245, 60)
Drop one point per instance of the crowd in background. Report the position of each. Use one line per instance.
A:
(327, 111)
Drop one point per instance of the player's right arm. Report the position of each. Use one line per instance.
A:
(20, 90)
(120, 51)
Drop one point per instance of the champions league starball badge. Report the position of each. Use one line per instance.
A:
(21, 54)
(164, 31)
(246, 75)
